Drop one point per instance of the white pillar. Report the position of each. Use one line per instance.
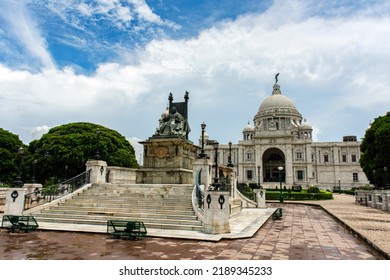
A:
(260, 198)
(216, 212)
(98, 171)
(14, 202)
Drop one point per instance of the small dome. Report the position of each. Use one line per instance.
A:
(248, 127)
(306, 125)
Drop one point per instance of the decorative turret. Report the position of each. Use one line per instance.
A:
(305, 131)
(248, 132)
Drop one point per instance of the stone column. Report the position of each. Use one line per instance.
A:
(14, 202)
(216, 212)
(260, 198)
(98, 171)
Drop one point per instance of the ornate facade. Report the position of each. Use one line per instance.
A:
(281, 138)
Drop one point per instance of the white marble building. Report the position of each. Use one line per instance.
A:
(281, 138)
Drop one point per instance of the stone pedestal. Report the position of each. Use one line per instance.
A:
(98, 171)
(216, 212)
(167, 161)
(260, 198)
(14, 203)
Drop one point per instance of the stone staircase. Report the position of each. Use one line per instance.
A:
(158, 206)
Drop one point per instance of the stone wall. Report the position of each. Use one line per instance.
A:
(121, 175)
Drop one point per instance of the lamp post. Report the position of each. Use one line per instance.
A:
(97, 154)
(373, 176)
(386, 183)
(230, 164)
(339, 186)
(281, 198)
(258, 175)
(216, 183)
(202, 153)
(33, 175)
(18, 181)
(66, 171)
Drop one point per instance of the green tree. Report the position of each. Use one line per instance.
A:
(64, 150)
(9, 159)
(375, 149)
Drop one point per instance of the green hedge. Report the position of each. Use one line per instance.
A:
(245, 190)
(272, 195)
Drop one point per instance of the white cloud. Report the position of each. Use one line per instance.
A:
(25, 31)
(144, 12)
(120, 13)
(329, 67)
(38, 131)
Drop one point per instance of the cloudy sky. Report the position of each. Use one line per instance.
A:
(114, 63)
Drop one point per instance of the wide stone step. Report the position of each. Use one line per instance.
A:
(160, 220)
(129, 205)
(167, 215)
(142, 188)
(164, 224)
(136, 195)
(86, 227)
(133, 199)
(65, 208)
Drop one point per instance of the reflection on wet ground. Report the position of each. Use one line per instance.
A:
(304, 233)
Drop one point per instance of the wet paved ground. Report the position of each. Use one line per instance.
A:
(304, 233)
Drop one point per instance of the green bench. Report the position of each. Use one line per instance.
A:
(19, 223)
(129, 229)
(277, 215)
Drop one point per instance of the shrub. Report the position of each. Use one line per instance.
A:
(253, 186)
(313, 189)
(297, 188)
(245, 190)
(273, 195)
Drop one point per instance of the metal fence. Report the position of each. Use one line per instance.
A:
(48, 194)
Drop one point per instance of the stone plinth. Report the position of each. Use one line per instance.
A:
(216, 212)
(167, 161)
(14, 202)
(98, 171)
(164, 176)
(260, 198)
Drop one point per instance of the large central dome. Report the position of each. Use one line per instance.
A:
(277, 103)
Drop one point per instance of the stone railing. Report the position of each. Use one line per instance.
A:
(121, 175)
(379, 199)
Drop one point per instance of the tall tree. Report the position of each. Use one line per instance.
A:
(375, 148)
(63, 151)
(9, 159)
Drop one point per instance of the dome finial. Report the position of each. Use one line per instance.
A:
(276, 78)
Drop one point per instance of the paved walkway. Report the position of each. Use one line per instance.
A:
(305, 233)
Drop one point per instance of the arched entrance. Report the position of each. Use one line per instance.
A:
(272, 159)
